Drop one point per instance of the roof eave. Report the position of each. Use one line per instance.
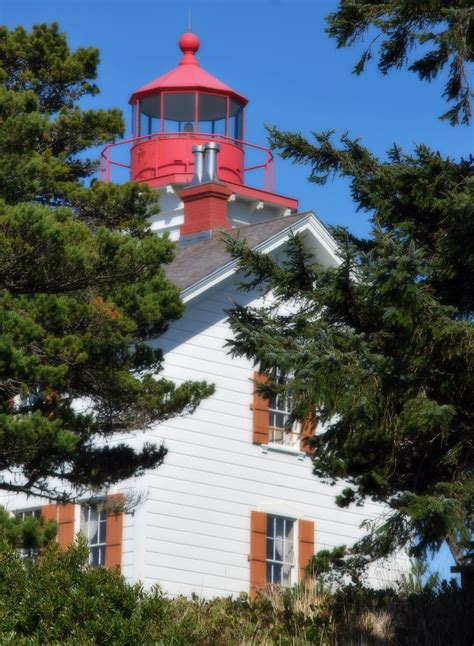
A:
(309, 222)
(140, 94)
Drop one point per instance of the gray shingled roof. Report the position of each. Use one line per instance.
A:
(193, 262)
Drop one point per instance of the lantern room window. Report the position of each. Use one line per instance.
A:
(212, 114)
(150, 115)
(179, 111)
(236, 119)
(187, 112)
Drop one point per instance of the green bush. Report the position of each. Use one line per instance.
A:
(60, 599)
(28, 533)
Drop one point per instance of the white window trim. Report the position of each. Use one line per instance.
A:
(35, 512)
(283, 448)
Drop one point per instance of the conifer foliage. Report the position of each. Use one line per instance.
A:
(82, 285)
(381, 345)
(440, 32)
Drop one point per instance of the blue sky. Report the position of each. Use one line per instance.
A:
(277, 54)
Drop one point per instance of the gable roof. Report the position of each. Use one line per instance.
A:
(198, 267)
(193, 262)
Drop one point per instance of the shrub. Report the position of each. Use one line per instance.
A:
(60, 599)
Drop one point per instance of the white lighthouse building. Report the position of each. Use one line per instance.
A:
(235, 505)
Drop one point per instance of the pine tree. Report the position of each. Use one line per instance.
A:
(446, 27)
(29, 534)
(382, 346)
(83, 289)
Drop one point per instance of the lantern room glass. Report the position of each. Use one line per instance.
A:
(188, 112)
(179, 111)
(150, 115)
(236, 120)
(212, 113)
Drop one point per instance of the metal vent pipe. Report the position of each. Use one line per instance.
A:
(210, 162)
(198, 152)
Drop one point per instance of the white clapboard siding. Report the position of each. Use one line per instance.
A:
(196, 524)
(191, 531)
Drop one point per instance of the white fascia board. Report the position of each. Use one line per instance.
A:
(309, 223)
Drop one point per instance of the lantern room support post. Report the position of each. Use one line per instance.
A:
(196, 111)
(227, 116)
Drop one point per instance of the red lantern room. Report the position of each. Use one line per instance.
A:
(188, 130)
(182, 108)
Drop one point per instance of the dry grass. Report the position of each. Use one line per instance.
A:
(312, 615)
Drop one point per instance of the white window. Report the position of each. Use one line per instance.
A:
(28, 513)
(280, 551)
(29, 552)
(279, 409)
(93, 526)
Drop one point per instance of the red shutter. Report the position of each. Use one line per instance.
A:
(65, 516)
(308, 428)
(260, 413)
(258, 551)
(49, 512)
(305, 545)
(66, 524)
(113, 533)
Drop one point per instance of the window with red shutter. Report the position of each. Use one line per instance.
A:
(308, 429)
(305, 545)
(273, 550)
(260, 413)
(66, 525)
(258, 551)
(114, 532)
(102, 526)
(270, 418)
(280, 551)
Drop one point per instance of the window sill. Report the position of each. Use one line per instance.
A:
(281, 448)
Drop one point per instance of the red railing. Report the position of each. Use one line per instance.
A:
(125, 146)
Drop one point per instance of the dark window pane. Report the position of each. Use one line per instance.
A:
(150, 113)
(270, 548)
(269, 572)
(179, 111)
(134, 119)
(277, 572)
(270, 520)
(150, 106)
(94, 556)
(279, 549)
(286, 575)
(279, 526)
(102, 529)
(235, 120)
(212, 113)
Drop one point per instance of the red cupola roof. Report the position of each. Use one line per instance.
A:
(188, 75)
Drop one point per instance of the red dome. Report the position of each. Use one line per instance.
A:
(189, 42)
(188, 75)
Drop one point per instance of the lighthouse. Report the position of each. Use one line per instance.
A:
(188, 143)
(235, 507)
